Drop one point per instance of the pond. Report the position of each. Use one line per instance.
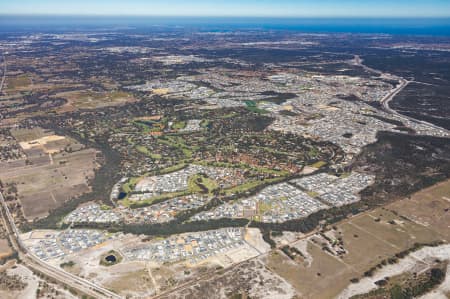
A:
(111, 258)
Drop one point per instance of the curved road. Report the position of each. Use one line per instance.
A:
(391, 95)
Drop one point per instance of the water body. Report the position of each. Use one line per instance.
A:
(410, 26)
(111, 259)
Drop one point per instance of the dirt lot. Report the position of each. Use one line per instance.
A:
(138, 281)
(55, 170)
(367, 238)
(5, 250)
(324, 278)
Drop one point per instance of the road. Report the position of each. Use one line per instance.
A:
(32, 261)
(385, 102)
(391, 95)
(359, 62)
(387, 98)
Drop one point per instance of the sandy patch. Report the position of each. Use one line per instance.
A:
(408, 263)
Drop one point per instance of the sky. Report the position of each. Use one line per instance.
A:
(231, 8)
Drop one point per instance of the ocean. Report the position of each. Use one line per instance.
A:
(401, 26)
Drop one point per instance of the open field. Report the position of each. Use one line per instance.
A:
(24, 135)
(395, 230)
(51, 144)
(324, 278)
(248, 186)
(48, 186)
(31, 82)
(364, 250)
(22, 83)
(133, 282)
(88, 99)
(429, 207)
(56, 169)
(367, 239)
(155, 199)
(18, 83)
(5, 249)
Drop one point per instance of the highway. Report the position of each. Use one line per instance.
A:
(386, 99)
(32, 261)
(385, 102)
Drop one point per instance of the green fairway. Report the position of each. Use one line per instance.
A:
(130, 184)
(179, 125)
(251, 185)
(153, 200)
(201, 184)
(319, 164)
(142, 149)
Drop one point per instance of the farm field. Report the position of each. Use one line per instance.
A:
(55, 170)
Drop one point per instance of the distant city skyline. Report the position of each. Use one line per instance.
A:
(231, 8)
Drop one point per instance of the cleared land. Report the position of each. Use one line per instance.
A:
(368, 239)
(134, 282)
(324, 278)
(88, 99)
(429, 207)
(18, 83)
(5, 249)
(52, 172)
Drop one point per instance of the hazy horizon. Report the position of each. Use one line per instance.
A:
(232, 8)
